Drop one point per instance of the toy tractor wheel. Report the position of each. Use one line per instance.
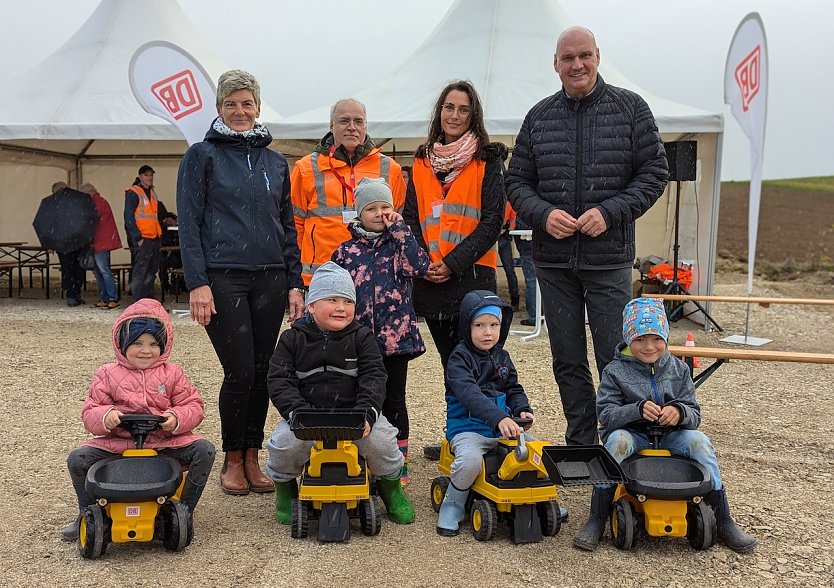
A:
(178, 529)
(438, 491)
(623, 525)
(92, 542)
(370, 515)
(700, 526)
(300, 524)
(550, 517)
(484, 520)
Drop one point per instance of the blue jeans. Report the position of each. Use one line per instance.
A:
(694, 445)
(505, 252)
(565, 296)
(525, 252)
(104, 278)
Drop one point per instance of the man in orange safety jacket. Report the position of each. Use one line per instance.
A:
(144, 233)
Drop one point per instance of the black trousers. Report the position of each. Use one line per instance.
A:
(72, 276)
(394, 408)
(144, 267)
(445, 334)
(505, 252)
(250, 308)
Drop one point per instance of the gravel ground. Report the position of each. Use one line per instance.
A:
(770, 423)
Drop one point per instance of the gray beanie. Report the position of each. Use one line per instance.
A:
(371, 190)
(331, 280)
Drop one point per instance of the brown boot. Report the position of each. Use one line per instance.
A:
(258, 482)
(232, 478)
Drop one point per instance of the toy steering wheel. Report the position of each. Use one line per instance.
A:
(140, 426)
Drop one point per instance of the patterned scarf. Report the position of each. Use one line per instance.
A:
(452, 158)
(257, 131)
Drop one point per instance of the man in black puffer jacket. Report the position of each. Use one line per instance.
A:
(588, 162)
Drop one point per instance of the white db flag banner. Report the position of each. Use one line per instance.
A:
(169, 83)
(745, 90)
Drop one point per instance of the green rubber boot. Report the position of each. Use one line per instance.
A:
(284, 493)
(396, 502)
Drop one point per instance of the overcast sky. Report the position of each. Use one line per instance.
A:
(675, 49)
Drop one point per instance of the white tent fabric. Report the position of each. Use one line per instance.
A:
(505, 48)
(82, 90)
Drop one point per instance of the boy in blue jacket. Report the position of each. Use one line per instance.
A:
(645, 384)
(482, 394)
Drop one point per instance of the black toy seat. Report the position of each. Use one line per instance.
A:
(665, 477)
(134, 478)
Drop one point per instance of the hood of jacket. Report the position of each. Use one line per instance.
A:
(478, 299)
(148, 308)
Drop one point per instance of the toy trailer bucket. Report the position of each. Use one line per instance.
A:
(313, 424)
(580, 465)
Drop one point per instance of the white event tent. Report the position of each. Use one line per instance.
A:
(505, 48)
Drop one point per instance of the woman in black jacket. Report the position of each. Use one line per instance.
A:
(240, 261)
(455, 208)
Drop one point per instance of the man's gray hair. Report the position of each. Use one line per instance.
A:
(234, 80)
(88, 188)
(59, 186)
(342, 101)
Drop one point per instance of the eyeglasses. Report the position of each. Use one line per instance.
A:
(345, 121)
(450, 108)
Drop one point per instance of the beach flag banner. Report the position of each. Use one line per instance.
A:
(745, 90)
(169, 83)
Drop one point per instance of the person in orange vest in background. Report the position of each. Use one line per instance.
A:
(455, 208)
(505, 252)
(144, 233)
(323, 182)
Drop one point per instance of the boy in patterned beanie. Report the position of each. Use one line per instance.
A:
(646, 385)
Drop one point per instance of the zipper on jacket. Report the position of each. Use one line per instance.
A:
(577, 199)
(655, 391)
(252, 250)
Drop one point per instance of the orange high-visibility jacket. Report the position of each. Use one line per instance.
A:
(319, 200)
(146, 212)
(460, 209)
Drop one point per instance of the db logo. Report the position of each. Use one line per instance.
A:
(133, 511)
(178, 94)
(748, 77)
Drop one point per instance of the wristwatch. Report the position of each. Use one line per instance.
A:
(301, 291)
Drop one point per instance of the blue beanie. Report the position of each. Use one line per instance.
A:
(489, 309)
(132, 329)
(644, 316)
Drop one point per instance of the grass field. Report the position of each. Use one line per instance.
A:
(819, 184)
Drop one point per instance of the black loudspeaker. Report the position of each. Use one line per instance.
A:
(682, 156)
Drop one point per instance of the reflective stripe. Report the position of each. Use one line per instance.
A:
(434, 247)
(299, 212)
(326, 211)
(462, 210)
(384, 167)
(318, 180)
(309, 268)
(452, 236)
(353, 373)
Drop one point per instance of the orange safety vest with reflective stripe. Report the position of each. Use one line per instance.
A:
(319, 200)
(459, 212)
(146, 212)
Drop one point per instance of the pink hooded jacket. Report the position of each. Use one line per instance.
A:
(160, 388)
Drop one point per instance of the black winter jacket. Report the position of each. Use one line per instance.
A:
(315, 369)
(233, 199)
(602, 151)
(442, 301)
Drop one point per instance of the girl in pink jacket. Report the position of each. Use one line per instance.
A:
(142, 381)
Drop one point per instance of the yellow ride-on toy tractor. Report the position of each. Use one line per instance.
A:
(512, 486)
(335, 484)
(664, 493)
(136, 496)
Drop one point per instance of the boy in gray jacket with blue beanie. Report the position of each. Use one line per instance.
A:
(644, 385)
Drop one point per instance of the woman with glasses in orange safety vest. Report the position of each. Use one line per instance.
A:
(455, 208)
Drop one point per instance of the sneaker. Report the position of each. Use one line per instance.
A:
(113, 304)
(528, 322)
(432, 452)
(99, 304)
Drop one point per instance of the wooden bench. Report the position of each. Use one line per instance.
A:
(7, 268)
(174, 276)
(723, 355)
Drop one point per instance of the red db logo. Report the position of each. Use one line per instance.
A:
(748, 77)
(178, 94)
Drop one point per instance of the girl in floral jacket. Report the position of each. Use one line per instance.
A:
(382, 257)
(141, 381)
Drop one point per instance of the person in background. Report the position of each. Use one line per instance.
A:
(406, 169)
(72, 274)
(144, 233)
(324, 181)
(105, 240)
(241, 264)
(524, 246)
(455, 208)
(587, 163)
(505, 253)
